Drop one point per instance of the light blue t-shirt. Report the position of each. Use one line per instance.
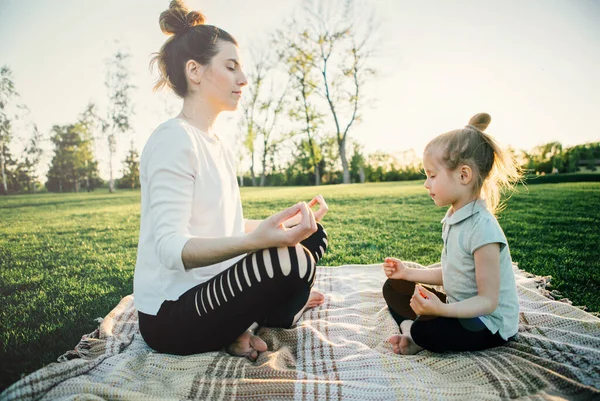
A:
(464, 231)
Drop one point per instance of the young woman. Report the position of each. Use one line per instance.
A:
(205, 276)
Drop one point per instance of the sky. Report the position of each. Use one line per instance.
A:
(532, 64)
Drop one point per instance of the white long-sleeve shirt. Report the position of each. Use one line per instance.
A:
(189, 189)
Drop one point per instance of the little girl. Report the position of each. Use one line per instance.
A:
(465, 170)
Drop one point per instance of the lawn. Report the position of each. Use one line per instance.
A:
(67, 259)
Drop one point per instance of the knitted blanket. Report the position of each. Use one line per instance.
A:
(338, 351)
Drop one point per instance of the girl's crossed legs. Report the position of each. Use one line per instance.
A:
(437, 334)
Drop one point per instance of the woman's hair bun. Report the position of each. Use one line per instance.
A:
(178, 18)
(480, 121)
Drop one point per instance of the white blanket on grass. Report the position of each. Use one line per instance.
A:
(338, 351)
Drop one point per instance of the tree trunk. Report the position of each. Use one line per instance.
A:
(317, 175)
(361, 174)
(4, 186)
(264, 166)
(345, 167)
(252, 170)
(111, 182)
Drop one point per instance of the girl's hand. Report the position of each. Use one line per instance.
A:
(323, 209)
(271, 233)
(394, 268)
(425, 302)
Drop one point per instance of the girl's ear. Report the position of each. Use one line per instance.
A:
(466, 174)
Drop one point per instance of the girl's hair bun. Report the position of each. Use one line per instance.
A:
(480, 121)
(178, 18)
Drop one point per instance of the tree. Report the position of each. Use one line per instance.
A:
(120, 108)
(343, 53)
(249, 109)
(357, 164)
(73, 163)
(31, 158)
(131, 170)
(298, 55)
(7, 96)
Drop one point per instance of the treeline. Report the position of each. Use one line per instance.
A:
(552, 158)
(73, 166)
(306, 92)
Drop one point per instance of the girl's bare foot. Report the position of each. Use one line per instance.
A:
(247, 345)
(314, 299)
(407, 346)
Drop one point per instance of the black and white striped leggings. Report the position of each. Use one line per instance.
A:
(268, 287)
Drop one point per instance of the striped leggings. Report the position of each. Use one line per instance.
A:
(268, 287)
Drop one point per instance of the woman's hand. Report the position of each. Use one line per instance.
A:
(425, 302)
(394, 268)
(272, 233)
(319, 214)
(323, 209)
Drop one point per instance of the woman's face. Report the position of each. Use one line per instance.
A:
(223, 78)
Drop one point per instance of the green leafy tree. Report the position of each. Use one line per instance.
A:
(357, 164)
(73, 164)
(131, 170)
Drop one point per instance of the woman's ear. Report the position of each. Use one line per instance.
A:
(466, 174)
(194, 71)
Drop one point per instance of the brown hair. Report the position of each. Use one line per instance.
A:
(190, 40)
(494, 170)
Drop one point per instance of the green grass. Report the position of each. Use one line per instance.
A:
(68, 259)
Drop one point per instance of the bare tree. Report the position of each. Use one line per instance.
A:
(7, 95)
(120, 108)
(260, 113)
(250, 110)
(31, 158)
(271, 108)
(298, 54)
(344, 49)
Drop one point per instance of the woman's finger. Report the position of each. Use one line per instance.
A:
(287, 214)
(302, 229)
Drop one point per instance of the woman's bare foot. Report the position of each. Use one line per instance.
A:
(247, 345)
(314, 299)
(395, 341)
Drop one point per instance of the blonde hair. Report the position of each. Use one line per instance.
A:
(495, 171)
(190, 39)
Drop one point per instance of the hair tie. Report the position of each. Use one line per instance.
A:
(474, 127)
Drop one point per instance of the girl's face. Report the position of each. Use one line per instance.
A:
(444, 186)
(223, 79)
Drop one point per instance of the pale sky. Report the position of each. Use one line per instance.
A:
(532, 64)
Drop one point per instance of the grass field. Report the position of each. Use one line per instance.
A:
(68, 259)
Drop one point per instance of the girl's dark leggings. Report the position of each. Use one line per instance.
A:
(268, 287)
(435, 333)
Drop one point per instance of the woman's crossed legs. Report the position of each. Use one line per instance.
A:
(270, 287)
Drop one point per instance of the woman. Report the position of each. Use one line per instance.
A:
(204, 276)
